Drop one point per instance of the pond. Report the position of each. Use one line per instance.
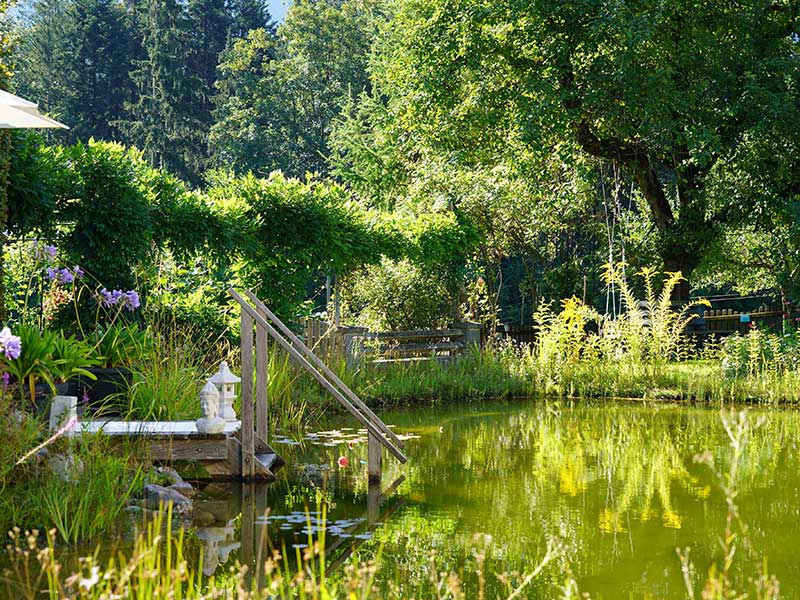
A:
(618, 486)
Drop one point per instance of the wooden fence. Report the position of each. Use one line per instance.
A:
(355, 344)
(722, 322)
(719, 322)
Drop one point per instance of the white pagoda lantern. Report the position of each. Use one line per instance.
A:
(226, 384)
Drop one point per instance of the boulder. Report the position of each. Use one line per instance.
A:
(183, 488)
(156, 496)
(168, 474)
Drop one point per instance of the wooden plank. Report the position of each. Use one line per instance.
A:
(187, 449)
(366, 412)
(374, 459)
(248, 426)
(153, 429)
(423, 348)
(421, 334)
(262, 383)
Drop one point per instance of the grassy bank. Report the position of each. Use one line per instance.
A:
(507, 372)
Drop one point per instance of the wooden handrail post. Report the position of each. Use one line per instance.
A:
(308, 356)
(374, 459)
(248, 429)
(262, 385)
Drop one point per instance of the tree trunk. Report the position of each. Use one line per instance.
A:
(684, 264)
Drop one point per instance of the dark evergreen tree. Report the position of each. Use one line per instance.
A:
(210, 22)
(75, 60)
(247, 15)
(163, 119)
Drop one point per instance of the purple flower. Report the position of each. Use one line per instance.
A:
(52, 273)
(51, 251)
(110, 298)
(10, 345)
(77, 272)
(6, 379)
(131, 300)
(66, 276)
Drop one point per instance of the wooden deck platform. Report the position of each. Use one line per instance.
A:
(154, 428)
(168, 441)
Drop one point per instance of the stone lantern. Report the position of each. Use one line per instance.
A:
(226, 384)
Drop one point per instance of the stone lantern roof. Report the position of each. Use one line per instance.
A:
(224, 376)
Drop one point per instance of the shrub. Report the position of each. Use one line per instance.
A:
(398, 295)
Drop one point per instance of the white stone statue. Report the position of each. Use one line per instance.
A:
(226, 384)
(210, 421)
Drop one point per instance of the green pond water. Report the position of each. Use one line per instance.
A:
(617, 484)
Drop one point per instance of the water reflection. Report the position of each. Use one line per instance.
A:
(616, 483)
(266, 523)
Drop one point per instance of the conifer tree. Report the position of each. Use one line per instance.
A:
(163, 118)
(75, 60)
(247, 15)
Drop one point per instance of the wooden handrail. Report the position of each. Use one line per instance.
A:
(261, 321)
(317, 361)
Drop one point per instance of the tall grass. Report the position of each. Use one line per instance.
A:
(79, 488)
(159, 568)
(168, 377)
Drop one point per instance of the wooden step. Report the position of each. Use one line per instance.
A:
(263, 448)
(267, 460)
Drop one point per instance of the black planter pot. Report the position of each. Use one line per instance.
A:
(43, 394)
(105, 394)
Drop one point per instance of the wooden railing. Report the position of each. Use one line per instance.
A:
(355, 344)
(256, 315)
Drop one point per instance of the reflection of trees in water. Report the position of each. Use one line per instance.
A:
(605, 479)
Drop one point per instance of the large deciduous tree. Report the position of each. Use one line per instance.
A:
(666, 91)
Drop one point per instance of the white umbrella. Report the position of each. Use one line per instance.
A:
(18, 113)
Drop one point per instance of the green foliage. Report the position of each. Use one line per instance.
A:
(398, 295)
(112, 209)
(278, 96)
(19, 432)
(650, 330)
(36, 362)
(31, 186)
(71, 357)
(168, 374)
(80, 504)
(477, 82)
(48, 357)
(74, 60)
(291, 230)
(120, 344)
(760, 353)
